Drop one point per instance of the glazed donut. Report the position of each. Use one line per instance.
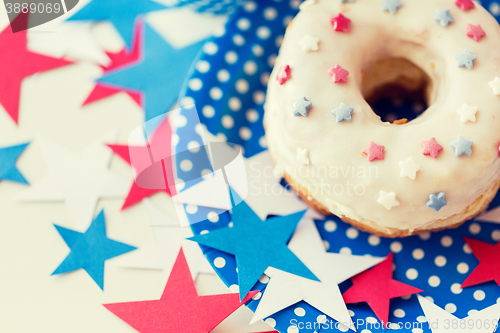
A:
(400, 178)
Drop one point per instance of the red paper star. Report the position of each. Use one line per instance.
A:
(489, 263)
(283, 74)
(475, 32)
(431, 147)
(376, 287)
(338, 74)
(179, 309)
(17, 62)
(465, 5)
(340, 23)
(374, 152)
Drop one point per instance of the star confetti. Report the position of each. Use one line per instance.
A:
(465, 5)
(283, 74)
(443, 16)
(465, 59)
(431, 147)
(374, 152)
(302, 156)
(90, 250)
(309, 43)
(436, 201)
(377, 287)
(391, 5)
(180, 308)
(340, 23)
(495, 85)
(489, 263)
(409, 168)
(338, 74)
(475, 32)
(388, 199)
(8, 168)
(467, 113)
(462, 146)
(343, 113)
(301, 107)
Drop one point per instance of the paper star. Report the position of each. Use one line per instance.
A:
(179, 309)
(431, 147)
(475, 32)
(338, 74)
(16, 63)
(440, 318)
(374, 152)
(465, 59)
(377, 287)
(408, 168)
(489, 263)
(467, 113)
(306, 4)
(465, 5)
(78, 179)
(8, 168)
(302, 156)
(443, 16)
(495, 85)
(301, 107)
(257, 245)
(283, 74)
(122, 17)
(343, 112)
(340, 23)
(391, 5)
(309, 43)
(285, 289)
(388, 199)
(436, 201)
(90, 250)
(462, 146)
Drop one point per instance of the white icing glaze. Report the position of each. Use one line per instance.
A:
(334, 149)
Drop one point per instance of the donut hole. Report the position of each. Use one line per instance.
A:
(396, 89)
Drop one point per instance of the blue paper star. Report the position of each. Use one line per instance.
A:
(391, 5)
(257, 245)
(8, 158)
(159, 75)
(90, 250)
(443, 16)
(462, 146)
(301, 107)
(121, 14)
(465, 59)
(436, 201)
(343, 112)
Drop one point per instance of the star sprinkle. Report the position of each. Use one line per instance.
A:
(467, 113)
(302, 156)
(180, 308)
(443, 16)
(90, 250)
(283, 74)
(462, 146)
(388, 199)
(257, 245)
(391, 5)
(465, 5)
(346, 1)
(309, 43)
(338, 74)
(475, 32)
(431, 147)
(8, 168)
(377, 287)
(489, 265)
(343, 112)
(306, 4)
(301, 107)
(436, 201)
(495, 85)
(465, 59)
(340, 23)
(374, 152)
(408, 168)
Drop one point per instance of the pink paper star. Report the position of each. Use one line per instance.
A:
(475, 32)
(489, 265)
(374, 152)
(431, 147)
(338, 74)
(465, 5)
(283, 74)
(340, 23)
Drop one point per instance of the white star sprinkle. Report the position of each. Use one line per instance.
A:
(408, 168)
(302, 156)
(306, 4)
(495, 85)
(309, 43)
(388, 199)
(467, 113)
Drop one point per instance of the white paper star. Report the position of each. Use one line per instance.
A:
(302, 156)
(309, 43)
(492, 216)
(388, 199)
(495, 85)
(467, 113)
(78, 179)
(306, 4)
(409, 168)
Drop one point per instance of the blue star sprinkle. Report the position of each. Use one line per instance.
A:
(344, 1)
(465, 59)
(391, 5)
(462, 146)
(343, 112)
(301, 107)
(90, 250)
(8, 158)
(121, 15)
(443, 16)
(436, 201)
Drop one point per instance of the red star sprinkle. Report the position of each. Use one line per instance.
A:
(340, 23)
(465, 5)
(179, 309)
(283, 74)
(431, 147)
(489, 263)
(376, 287)
(338, 74)
(475, 32)
(374, 152)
